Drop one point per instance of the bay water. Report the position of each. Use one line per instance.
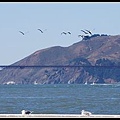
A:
(60, 98)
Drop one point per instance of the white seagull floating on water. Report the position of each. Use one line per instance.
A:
(86, 113)
(26, 112)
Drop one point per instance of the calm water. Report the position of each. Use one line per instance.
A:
(60, 98)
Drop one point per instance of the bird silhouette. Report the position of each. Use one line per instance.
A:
(69, 32)
(40, 30)
(89, 31)
(63, 33)
(22, 32)
(84, 32)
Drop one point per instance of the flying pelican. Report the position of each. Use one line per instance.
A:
(63, 33)
(84, 31)
(40, 30)
(69, 32)
(22, 32)
(89, 32)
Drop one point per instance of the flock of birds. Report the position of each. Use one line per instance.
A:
(23, 33)
(65, 33)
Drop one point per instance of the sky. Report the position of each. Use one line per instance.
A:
(53, 18)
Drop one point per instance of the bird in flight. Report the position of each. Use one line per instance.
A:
(84, 31)
(69, 32)
(89, 32)
(22, 32)
(63, 33)
(40, 30)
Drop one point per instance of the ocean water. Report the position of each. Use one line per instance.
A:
(60, 98)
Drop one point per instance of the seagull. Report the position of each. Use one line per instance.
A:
(26, 112)
(63, 33)
(83, 112)
(40, 30)
(22, 32)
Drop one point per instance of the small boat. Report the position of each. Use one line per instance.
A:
(86, 83)
(35, 83)
(92, 83)
(9, 83)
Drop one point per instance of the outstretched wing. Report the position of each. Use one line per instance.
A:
(89, 32)
(69, 32)
(84, 31)
(63, 33)
(22, 32)
(40, 30)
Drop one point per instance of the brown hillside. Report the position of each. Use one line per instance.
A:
(98, 50)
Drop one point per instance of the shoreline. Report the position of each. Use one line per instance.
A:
(57, 116)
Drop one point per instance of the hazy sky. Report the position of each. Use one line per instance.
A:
(53, 18)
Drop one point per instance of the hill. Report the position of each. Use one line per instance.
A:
(98, 57)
